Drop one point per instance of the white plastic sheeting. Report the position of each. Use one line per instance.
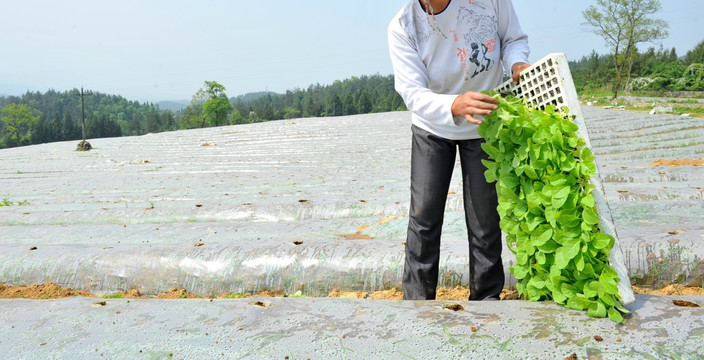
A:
(218, 210)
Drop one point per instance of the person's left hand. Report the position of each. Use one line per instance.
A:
(516, 70)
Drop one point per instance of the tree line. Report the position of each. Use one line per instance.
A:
(356, 95)
(36, 117)
(655, 71)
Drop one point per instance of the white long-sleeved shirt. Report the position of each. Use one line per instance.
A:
(435, 58)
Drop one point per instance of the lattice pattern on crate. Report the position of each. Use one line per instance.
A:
(540, 85)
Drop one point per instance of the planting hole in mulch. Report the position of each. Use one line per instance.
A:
(454, 307)
(264, 304)
(684, 303)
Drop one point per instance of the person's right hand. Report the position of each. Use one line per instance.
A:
(473, 103)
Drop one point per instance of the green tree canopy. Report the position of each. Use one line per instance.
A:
(695, 55)
(18, 119)
(193, 116)
(623, 24)
(217, 107)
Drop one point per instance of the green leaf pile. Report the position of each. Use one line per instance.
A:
(542, 170)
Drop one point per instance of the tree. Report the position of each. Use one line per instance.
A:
(69, 129)
(696, 55)
(153, 122)
(18, 119)
(364, 104)
(217, 106)
(193, 116)
(624, 24)
(334, 106)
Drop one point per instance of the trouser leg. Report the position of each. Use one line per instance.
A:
(480, 201)
(432, 162)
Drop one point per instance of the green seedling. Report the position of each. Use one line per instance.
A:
(541, 169)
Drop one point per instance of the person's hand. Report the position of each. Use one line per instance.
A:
(516, 70)
(473, 103)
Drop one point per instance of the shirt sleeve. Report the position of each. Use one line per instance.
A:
(514, 42)
(411, 79)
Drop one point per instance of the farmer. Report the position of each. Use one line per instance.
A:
(443, 53)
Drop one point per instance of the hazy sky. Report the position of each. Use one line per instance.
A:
(152, 50)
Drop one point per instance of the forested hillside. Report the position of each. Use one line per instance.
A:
(357, 95)
(35, 117)
(56, 116)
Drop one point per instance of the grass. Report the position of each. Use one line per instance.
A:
(113, 296)
(235, 296)
(7, 202)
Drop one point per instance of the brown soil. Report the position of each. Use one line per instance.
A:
(358, 235)
(392, 294)
(176, 294)
(264, 293)
(671, 290)
(131, 294)
(458, 293)
(46, 291)
(335, 293)
(52, 291)
(678, 162)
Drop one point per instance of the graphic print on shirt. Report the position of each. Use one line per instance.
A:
(418, 30)
(480, 39)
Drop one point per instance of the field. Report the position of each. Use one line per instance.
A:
(316, 208)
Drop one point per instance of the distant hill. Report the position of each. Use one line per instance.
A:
(173, 105)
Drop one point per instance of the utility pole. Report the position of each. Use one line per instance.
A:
(83, 145)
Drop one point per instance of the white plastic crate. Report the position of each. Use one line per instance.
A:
(549, 81)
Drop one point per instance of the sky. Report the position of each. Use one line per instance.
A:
(154, 50)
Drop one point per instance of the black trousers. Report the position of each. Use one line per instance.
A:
(432, 162)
